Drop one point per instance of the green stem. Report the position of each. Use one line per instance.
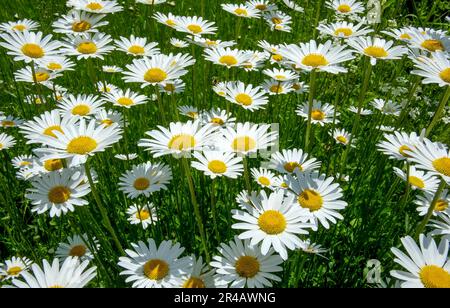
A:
(424, 222)
(247, 175)
(214, 209)
(196, 207)
(312, 88)
(408, 189)
(316, 21)
(160, 105)
(102, 210)
(438, 114)
(411, 93)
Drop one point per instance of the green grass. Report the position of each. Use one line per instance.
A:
(373, 221)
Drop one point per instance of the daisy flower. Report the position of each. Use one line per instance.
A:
(221, 89)
(137, 46)
(142, 215)
(363, 111)
(217, 164)
(189, 111)
(151, 2)
(248, 97)
(105, 87)
(150, 266)
(130, 156)
(387, 107)
(241, 10)
(45, 124)
(434, 70)
(263, 177)
(244, 198)
(273, 87)
(70, 274)
(261, 5)
(227, 57)
(271, 48)
(125, 99)
(111, 69)
(218, 117)
(280, 74)
(341, 136)
(344, 29)
(173, 87)
(318, 195)
(321, 113)
(273, 220)
(82, 105)
(294, 6)
(199, 276)
(441, 225)
(376, 48)
(6, 141)
(77, 22)
(402, 34)
(247, 138)
(427, 266)
(29, 46)
(278, 20)
(79, 141)
(108, 117)
(180, 139)
(56, 64)
(290, 161)
(178, 43)
(145, 179)
(14, 267)
(57, 192)
(385, 128)
(157, 70)
(96, 6)
(345, 7)
(19, 25)
(87, 45)
(396, 144)
(10, 121)
(430, 41)
(208, 43)
(41, 76)
(241, 264)
(76, 246)
(432, 157)
(323, 57)
(418, 179)
(169, 20)
(194, 25)
(312, 248)
(22, 161)
(424, 201)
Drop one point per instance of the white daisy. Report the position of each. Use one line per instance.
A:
(386, 107)
(87, 45)
(125, 99)
(376, 48)
(280, 74)
(142, 215)
(45, 124)
(441, 225)
(345, 7)
(14, 267)
(218, 117)
(341, 136)
(19, 25)
(41, 76)
(290, 161)
(396, 144)
(77, 246)
(241, 10)
(82, 105)
(321, 113)
(178, 43)
(169, 20)
(363, 112)
(262, 5)
(189, 111)
(77, 22)
(6, 141)
(430, 41)
(137, 46)
(273, 87)
(22, 161)
(263, 177)
(111, 69)
(199, 276)
(418, 179)
(96, 6)
(194, 25)
(56, 64)
(424, 201)
(344, 29)
(130, 156)
(278, 20)
(434, 70)
(227, 57)
(248, 97)
(217, 164)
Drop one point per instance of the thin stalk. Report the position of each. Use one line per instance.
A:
(411, 93)
(438, 114)
(312, 88)
(316, 20)
(160, 105)
(408, 189)
(247, 175)
(214, 209)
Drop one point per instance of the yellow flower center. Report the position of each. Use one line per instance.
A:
(244, 99)
(141, 183)
(14, 270)
(25, 163)
(442, 165)
(56, 286)
(441, 205)
(33, 51)
(247, 266)
(54, 66)
(195, 29)
(217, 166)
(155, 75)
(228, 60)
(376, 52)
(433, 276)
(264, 181)
(194, 283)
(81, 26)
(241, 12)
(433, 45)
(416, 182)
(125, 101)
(405, 36)
(272, 222)
(53, 164)
(261, 7)
(87, 48)
(81, 145)
(42, 76)
(276, 88)
(95, 6)
(344, 8)
(277, 58)
(143, 214)
(276, 20)
(107, 122)
(243, 144)
(291, 166)
(211, 43)
(182, 142)
(343, 31)
(49, 131)
(402, 150)
(81, 110)
(1, 146)
(217, 121)
(59, 194)
(310, 199)
(171, 22)
(317, 115)
(170, 87)
(314, 60)
(192, 114)
(342, 139)
(78, 251)
(137, 50)
(19, 27)
(7, 123)
(156, 269)
(445, 75)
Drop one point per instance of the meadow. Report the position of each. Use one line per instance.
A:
(370, 119)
